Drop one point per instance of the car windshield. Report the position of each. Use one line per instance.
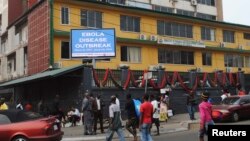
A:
(24, 116)
(231, 100)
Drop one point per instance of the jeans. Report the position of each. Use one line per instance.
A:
(191, 111)
(145, 132)
(119, 132)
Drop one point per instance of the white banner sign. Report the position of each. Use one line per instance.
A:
(188, 43)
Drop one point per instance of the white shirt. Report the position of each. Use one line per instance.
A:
(77, 113)
(113, 108)
(19, 106)
(98, 104)
(225, 95)
(117, 102)
(156, 109)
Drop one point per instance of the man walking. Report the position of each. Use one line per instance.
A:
(205, 109)
(88, 114)
(115, 124)
(156, 113)
(132, 118)
(146, 116)
(98, 113)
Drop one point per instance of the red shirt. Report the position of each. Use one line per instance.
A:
(28, 107)
(241, 92)
(147, 110)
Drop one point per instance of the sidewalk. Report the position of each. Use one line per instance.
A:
(177, 123)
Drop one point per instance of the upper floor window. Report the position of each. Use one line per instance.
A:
(65, 50)
(207, 58)
(163, 9)
(206, 16)
(232, 60)
(247, 61)
(91, 18)
(207, 2)
(115, 1)
(175, 57)
(64, 15)
(228, 36)
(207, 33)
(129, 23)
(185, 12)
(174, 29)
(247, 36)
(131, 54)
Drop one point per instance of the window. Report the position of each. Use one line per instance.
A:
(247, 61)
(11, 61)
(206, 16)
(116, 1)
(207, 33)
(64, 15)
(247, 36)
(25, 59)
(175, 57)
(91, 18)
(131, 54)
(228, 36)
(129, 23)
(185, 12)
(163, 9)
(65, 50)
(207, 2)
(207, 59)
(174, 29)
(232, 60)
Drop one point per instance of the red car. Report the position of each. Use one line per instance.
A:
(232, 108)
(20, 125)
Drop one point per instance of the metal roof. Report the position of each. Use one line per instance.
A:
(40, 76)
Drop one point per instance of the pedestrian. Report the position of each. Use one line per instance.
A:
(225, 94)
(146, 116)
(75, 116)
(191, 103)
(163, 108)
(88, 114)
(3, 105)
(19, 104)
(240, 90)
(156, 112)
(133, 120)
(98, 114)
(115, 123)
(205, 109)
(28, 106)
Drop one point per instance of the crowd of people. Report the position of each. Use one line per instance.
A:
(152, 110)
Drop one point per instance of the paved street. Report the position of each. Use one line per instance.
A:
(184, 135)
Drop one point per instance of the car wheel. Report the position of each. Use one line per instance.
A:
(20, 138)
(235, 117)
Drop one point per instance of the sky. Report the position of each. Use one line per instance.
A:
(237, 11)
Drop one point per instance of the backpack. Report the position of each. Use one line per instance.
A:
(137, 104)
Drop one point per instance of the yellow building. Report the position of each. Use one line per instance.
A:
(146, 39)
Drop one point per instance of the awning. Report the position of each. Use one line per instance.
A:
(40, 76)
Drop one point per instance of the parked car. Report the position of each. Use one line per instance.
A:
(20, 125)
(232, 108)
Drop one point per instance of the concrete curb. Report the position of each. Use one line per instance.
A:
(88, 138)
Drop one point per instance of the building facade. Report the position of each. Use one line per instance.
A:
(147, 39)
(206, 9)
(14, 40)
